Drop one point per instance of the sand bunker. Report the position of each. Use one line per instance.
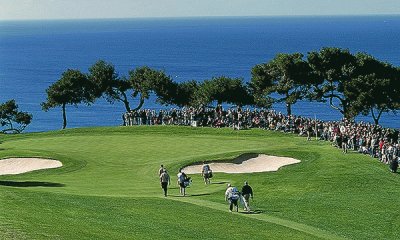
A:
(23, 165)
(248, 163)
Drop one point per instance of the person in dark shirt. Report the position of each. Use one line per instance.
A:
(394, 164)
(161, 170)
(309, 132)
(345, 140)
(247, 192)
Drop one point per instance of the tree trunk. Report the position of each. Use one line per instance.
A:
(379, 117)
(342, 111)
(289, 109)
(126, 102)
(376, 118)
(288, 105)
(11, 125)
(64, 116)
(141, 102)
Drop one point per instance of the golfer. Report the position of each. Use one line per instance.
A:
(161, 170)
(232, 195)
(247, 192)
(182, 179)
(164, 179)
(206, 173)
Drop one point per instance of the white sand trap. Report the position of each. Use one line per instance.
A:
(23, 165)
(250, 163)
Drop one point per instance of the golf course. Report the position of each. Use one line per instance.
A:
(108, 187)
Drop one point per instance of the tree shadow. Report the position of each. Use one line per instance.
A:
(30, 184)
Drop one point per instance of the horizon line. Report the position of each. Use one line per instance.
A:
(205, 17)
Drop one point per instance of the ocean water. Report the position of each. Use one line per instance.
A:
(33, 54)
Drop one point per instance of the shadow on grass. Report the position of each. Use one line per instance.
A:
(253, 212)
(30, 184)
(219, 182)
(198, 195)
(192, 195)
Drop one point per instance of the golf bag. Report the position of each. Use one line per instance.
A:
(234, 199)
(235, 196)
(187, 181)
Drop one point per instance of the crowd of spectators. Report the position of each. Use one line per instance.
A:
(378, 142)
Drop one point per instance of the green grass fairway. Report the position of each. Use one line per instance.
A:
(108, 188)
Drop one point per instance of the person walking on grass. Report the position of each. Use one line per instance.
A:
(206, 173)
(247, 192)
(232, 195)
(165, 181)
(161, 170)
(182, 182)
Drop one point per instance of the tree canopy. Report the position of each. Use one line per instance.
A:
(223, 90)
(106, 82)
(287, 75)
(352, 84)
(181, 94)
(146, 81)
(334, 67)
(71, 89)
(12, 119)
(374, 87)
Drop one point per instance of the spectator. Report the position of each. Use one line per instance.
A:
(363, 137)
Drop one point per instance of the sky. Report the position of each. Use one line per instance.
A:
(80, 9)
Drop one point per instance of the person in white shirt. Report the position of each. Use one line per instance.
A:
(182, 178)
(232, 195)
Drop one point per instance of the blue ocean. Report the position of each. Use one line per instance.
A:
(33, 54)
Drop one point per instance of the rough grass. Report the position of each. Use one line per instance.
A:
(109, 189)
